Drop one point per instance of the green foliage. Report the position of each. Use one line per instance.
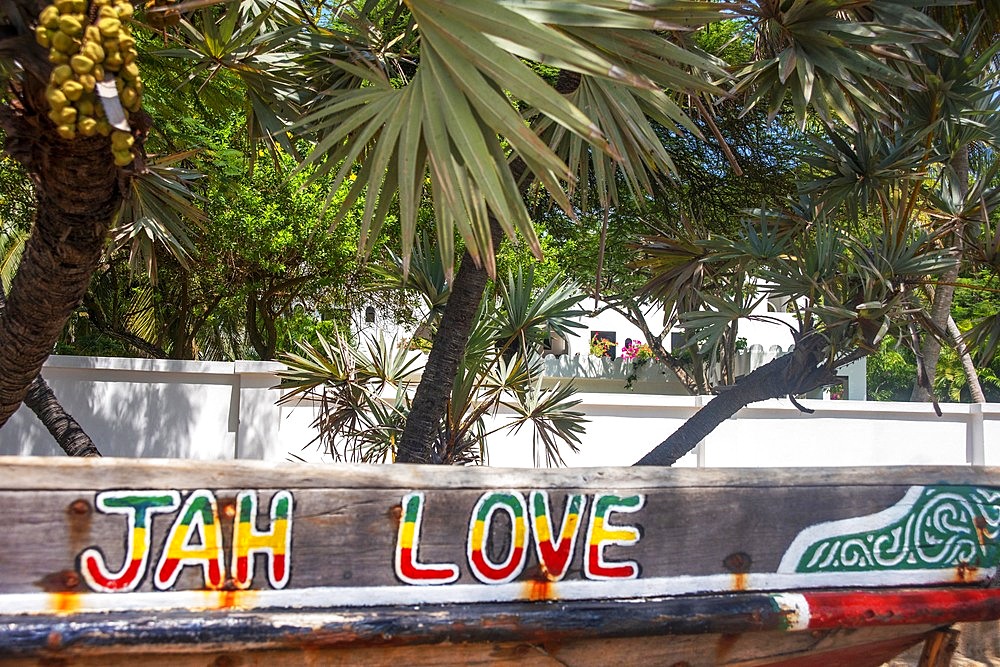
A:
(363, 389)
(261, 265)
(891, 372)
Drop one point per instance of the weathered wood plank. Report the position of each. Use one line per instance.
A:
(749, 649)
(341, 555)
(348, 537)
(59, 474)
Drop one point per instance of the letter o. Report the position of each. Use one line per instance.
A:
(480, 524)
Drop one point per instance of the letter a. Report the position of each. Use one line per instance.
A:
(199, 516)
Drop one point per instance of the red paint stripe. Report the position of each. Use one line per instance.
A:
(127, 578)
(166, 570)
(942, 606)
(278, 566)
(554, 561)
(491, 571)
(242, 575)
(626, 571)
(215, 578)
(409, 568)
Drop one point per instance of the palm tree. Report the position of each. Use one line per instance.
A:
(862, 243)
(363, 391)
(976, 26)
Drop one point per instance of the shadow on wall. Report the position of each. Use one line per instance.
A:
(135, 408)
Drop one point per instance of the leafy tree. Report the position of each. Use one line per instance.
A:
(854, 282)
(263, 253)
(964, 100)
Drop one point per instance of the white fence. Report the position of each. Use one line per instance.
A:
(156, 408)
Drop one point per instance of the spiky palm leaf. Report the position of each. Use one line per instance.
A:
(11, 247)
(457, 117)
(157, 209)
(831, 54)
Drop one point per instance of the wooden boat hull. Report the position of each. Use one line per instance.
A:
(223, 562)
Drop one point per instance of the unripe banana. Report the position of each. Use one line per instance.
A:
(65, 116)
(88, 82)
(91, 33)
(98, 72)
(62, 74)
(66, 131)
(64, 43)
(122, 158)
(87, 126)
(81, 64)
(125, 10)
(109, 27)
(57, 58)
(57, 99)
(65, 6)
(72, 90)
(130, 72)
(107, 12)
(130, 99)
(93, 51)
(80, 6)
(121, 140)
(113, 61)
(49, 17)
(71, 25)
(43, 36)
(85, 107)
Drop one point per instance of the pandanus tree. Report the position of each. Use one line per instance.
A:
(363, 390)
(877, 228)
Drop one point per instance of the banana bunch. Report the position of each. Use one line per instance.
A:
(84, 53)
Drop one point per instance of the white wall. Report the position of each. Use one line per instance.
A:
(156, 408)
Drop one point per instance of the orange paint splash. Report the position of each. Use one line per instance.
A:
(965, 573)
(231, 599)
(64, 603)
(538, 590)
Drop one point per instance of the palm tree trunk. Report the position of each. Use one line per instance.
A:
(40, 398)
(78, 193)
(431, 398)
(971, 375)
(795, 373)
(66, 431)
(430, 402)
(944, 294)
